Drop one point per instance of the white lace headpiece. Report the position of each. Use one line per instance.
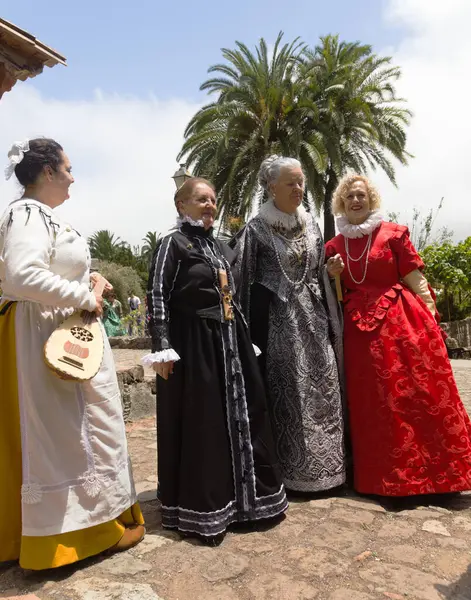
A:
(15, 156)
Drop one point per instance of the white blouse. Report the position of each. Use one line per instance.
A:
(37, 253)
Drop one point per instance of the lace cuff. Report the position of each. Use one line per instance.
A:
(160, 357)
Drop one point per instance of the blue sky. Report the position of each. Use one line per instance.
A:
(165, 48)
(121, 106)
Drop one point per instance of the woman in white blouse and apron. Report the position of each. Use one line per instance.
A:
(66, 487)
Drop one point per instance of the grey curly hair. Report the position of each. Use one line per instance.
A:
(271, 167)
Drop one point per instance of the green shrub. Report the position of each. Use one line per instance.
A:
(123, 279)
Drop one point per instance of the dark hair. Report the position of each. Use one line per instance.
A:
(185, 190)
(43, 152)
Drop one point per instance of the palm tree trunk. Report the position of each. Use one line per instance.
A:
(329, 223)
(306, 202)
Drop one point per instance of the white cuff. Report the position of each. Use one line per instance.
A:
(90, 304)
(257, 350)
(160, 357)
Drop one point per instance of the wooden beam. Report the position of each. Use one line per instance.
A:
(7, 81)
(24, 39)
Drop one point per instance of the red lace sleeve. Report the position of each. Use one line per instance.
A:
(407, 257)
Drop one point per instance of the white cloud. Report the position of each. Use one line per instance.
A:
(123, 151)
(434, 57)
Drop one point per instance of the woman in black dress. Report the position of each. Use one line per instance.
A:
(216, 456)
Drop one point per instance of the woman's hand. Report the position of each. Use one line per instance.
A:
(95, 277)
(163, 369)
(335, 266)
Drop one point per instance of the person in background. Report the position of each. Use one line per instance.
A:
(66, 485)
(116, 305)
(112, 311)
(409, 429)
(134, 303)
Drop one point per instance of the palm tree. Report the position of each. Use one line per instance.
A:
(105, 246)
(362, 120)
(259, 111)
(333, 107)
(151, 241)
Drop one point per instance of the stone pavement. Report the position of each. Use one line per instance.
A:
(327, 548)
(126, 359)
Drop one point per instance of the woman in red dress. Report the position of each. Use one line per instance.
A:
(409, 430)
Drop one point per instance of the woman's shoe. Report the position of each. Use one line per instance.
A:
(131, 537)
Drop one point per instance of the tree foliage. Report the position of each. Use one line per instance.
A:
(363, 122)
(421, 228)
(448, 269)
(333, 107)
(105, 246)
(124, 280)
(150, 244)
(258, 112)
(447, 265)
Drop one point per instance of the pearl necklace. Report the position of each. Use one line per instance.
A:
(278, 258)
(350, 258)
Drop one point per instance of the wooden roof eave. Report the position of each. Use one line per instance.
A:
(23, 54)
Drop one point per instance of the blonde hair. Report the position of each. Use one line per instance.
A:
(341, 191)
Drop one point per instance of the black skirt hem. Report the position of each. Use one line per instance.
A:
(214, 523)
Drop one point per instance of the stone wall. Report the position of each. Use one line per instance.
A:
(460, 331)
(130, 343)
(137, 393)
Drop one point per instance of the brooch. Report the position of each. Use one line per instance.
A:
(227, 303)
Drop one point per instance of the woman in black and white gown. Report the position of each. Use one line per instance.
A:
(216, 459)
(286, 296)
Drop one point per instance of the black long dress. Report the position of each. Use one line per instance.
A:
(216, 459)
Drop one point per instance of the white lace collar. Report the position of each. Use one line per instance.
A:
(281, 220)
(349, 230)
(190, 221)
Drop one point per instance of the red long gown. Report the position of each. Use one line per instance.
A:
(409, 429)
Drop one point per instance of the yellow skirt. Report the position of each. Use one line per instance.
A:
(46, 552)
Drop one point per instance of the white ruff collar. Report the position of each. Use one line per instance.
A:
(189, 220)
(349, 230)
(279, 219)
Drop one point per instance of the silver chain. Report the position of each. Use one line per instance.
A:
(349, 258)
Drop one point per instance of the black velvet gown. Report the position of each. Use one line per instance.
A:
(216, 459)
